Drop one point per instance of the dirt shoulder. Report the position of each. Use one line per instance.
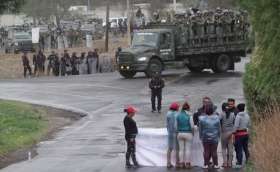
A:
(55, 119)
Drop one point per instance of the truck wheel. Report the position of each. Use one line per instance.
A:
(127, 74)
(214, 64)
(223, 63)
(153, 66)
(196, 69)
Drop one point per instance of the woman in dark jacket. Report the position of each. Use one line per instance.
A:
(130, 133)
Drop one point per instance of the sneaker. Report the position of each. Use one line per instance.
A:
(159, 111)
(205, 166)
(153, 111)
(136, 165)
(237, 166)
(169, 165)
(216, 167)
(128, 165)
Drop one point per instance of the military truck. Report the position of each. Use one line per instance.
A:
(18, 41)
(99, 28)
(160, 47)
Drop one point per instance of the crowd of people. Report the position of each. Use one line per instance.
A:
(230, 127)
(208, 22)
(59, 64)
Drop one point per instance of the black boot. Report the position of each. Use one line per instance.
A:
(128, 165)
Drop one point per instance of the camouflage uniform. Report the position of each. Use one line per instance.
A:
(245, 22)
(71, 38)
(194, 25)
(226, 21)
(200, 24)
(217, 24)
(237, 23)
(79, 38)
(209, 23)
(155, 18)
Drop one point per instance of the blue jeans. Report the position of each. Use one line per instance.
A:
(242, 143)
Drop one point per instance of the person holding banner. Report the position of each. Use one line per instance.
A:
(131, 131)
(172, 134)
(227, 119)
(210, 133)
(185, 127)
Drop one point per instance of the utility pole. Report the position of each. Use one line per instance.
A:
(107, 26)
(128, 24)
(34, 14)
(174, 5)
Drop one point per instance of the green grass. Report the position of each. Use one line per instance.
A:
(20, 126)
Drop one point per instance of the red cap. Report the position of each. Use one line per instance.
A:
(174, 105)
(131, 109)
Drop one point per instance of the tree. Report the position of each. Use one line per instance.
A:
(44, 9)
(157, 6)
(12, 6)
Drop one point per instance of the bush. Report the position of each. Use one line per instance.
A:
(265, 153)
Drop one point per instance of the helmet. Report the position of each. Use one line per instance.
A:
(40, 51)
(96, 49)
(226, 11)
(119, 48)
(198, 12)
(218, 9)
(193, 16)
(205, 12)
(177, 13)
(238, 13)
(182, 14)
(83, 53)
(155, 14)
(230, 11)
(211, 12)
(245, 12)
(74, 53)
(216, 14)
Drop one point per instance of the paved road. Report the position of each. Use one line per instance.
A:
(95, 143)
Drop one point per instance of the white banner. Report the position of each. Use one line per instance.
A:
(151, 148)
(89, 40)
(35, 35)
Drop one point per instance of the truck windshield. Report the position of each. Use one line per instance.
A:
(22, 37)
(146, 39)
(87, 26)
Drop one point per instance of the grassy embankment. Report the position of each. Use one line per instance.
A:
(20, 126)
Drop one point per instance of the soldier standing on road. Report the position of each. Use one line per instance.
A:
(89, 56)
(96, 56)
(56, 65)
(117, 54)
(51, 59)
(26, 65)
(156, 84)
(73, 62)
(83, 56)
(35, 63)
(41, 58)
(63, 64)
(79, 38)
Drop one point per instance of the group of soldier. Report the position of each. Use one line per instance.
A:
(74, 37)
(208, 22)
(63, 64)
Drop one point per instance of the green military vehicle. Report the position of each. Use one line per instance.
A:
(160, 47)
(18, 41)
(99, 29)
